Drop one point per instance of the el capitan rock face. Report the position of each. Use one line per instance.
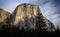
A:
(27, 16)
(3, 15)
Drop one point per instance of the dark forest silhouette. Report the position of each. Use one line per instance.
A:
(13, 31)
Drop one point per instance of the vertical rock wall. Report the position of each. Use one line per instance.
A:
(28, 16)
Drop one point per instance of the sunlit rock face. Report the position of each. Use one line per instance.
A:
(3, 15)
(27, 16)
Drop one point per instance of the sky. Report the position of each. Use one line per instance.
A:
(49, 8)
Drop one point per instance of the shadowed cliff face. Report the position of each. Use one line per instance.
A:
(3, 15)
(27, 17)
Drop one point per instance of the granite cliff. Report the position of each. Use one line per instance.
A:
(3, 15)
(29, 17)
